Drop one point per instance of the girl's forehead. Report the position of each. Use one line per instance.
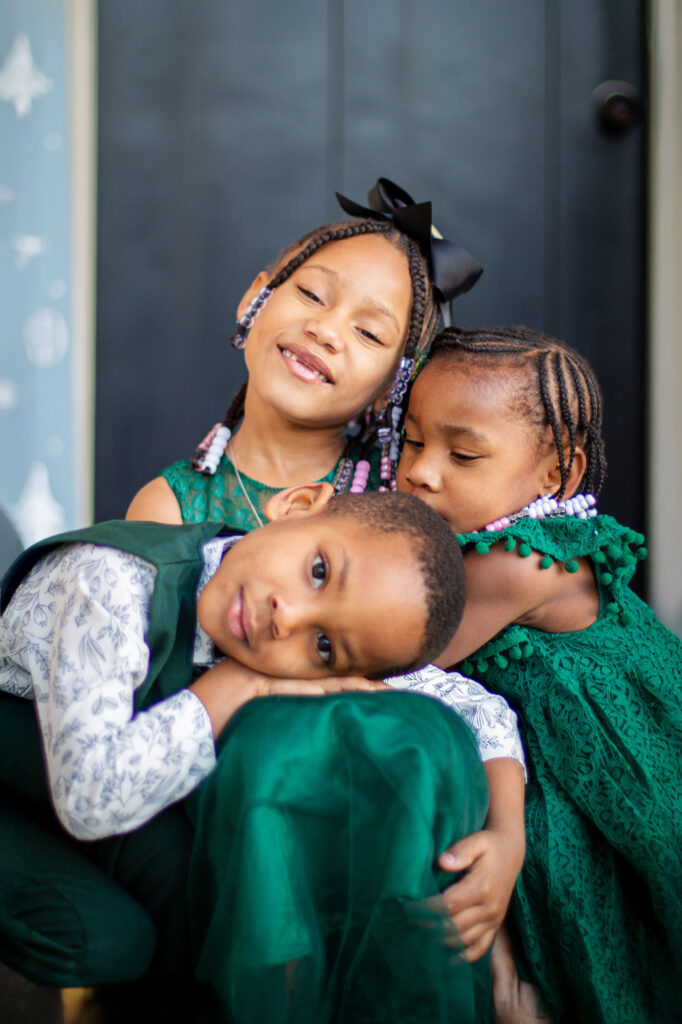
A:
(494, 388)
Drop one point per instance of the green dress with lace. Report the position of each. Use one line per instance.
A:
(221, 497)
(597, 912)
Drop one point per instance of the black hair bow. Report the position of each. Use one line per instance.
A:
(453, 270)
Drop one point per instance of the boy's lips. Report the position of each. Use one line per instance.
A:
(235, 617)
(304, 365)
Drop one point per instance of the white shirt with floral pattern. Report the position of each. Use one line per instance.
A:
(73, 640)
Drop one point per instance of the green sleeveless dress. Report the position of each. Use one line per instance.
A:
(597, 912)
(221, 496)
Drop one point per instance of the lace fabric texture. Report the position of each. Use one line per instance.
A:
(597, 912)
(220, 498)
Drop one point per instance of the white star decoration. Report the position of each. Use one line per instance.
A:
(20, 80)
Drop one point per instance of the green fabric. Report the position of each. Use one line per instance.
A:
(63, 922)
(316, 843)
(598, 908)
(220, 497)
(315, 857)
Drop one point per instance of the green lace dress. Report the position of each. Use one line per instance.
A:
(597, 912)
(220, 498)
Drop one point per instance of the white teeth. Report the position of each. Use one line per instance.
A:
(316, 373)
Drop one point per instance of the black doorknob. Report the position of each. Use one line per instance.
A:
(617, 105)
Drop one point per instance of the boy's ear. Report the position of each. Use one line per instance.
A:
(259, 282)
(575, 473)
(304, 499)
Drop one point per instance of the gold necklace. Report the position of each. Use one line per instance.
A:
(241, 484)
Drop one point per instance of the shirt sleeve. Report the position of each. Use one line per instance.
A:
(76, 627)
(489, 716)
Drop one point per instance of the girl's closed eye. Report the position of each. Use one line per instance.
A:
(319, 570)
(309, 294)
(412, 442)
(371, 336)
(325, 648)
(464, 457)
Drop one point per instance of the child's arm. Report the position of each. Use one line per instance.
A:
(503, 588)
(223, 689)
(491, 859)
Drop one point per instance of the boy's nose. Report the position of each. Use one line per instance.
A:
(286, 616)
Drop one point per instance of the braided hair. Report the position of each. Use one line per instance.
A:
(424, 317)
(560, 394)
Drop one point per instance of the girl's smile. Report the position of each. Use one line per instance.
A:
(329, 338)
(467, 453)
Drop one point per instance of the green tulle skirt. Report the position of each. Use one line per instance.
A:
(314, 893)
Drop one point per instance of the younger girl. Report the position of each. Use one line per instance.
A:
(502, 432)
(334, 329)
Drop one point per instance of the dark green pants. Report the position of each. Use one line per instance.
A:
(75, 913)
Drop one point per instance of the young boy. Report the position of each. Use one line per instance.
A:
(103, 631)
(312, 596)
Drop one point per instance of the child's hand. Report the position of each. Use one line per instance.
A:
(229, 684)
(478, 902)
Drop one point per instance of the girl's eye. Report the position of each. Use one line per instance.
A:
(414, 444)
(309, 295)
(461, 457)
(324, 648)
(370, 336)
(319, 571)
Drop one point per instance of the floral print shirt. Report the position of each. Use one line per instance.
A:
(73, 640)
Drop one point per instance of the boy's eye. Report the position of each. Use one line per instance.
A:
(319, 571)
(324, 648)
(309, 295)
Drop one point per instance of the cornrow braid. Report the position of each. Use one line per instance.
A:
(383, 427)
(561, 392)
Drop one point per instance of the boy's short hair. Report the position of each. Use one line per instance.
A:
(438, 555)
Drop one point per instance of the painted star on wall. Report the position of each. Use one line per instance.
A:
(20, 80)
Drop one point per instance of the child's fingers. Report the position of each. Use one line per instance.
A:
(296, 688)
(462, 854)
(336, 684)
(476, 950)
(476, 888)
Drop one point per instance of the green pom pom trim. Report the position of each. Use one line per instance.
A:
(599, 557)
(626, 619)
(607, 579)
(571, 566)
(612, 608)
(527, 650)
(467, 668)
(515, 653)
(638, 538)
(641, 553)
(510, 544)
(614, 551)
(501, 661)
(482, 547)
(525, 549)
(630, 536)
(482, 665)
(546, 562)
(460, 539)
